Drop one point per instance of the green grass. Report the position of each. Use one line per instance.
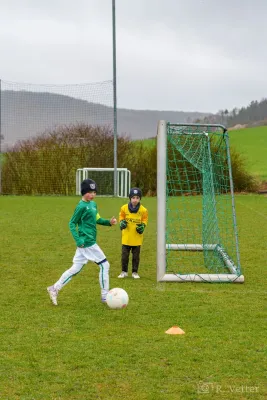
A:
(146, 142)
(250, 142)
(83, 350)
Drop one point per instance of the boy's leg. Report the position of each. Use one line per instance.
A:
(135, 258)
(78, 262)
(125, 253)
(94, 253)
(82, 256)
(104, 278)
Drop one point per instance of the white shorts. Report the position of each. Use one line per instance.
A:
(92, 253)
(81, 257)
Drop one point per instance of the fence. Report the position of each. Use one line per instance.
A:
(45, 130)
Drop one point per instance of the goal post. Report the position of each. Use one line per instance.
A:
(104, 178)
(197, 238)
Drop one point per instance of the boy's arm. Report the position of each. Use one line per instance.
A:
(72, 225)
(102, 221)
(145, 217)
(122, 214)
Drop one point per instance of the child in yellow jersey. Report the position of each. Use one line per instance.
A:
(133, 220)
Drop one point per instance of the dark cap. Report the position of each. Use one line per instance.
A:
(88, 185)
(135, 192)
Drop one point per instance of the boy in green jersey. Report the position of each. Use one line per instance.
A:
(86, 217)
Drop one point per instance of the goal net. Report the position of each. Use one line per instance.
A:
(197, 231)
(104, 178)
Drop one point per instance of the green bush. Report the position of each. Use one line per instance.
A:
(243, 180)
(47, 164)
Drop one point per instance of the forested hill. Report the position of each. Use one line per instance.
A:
(255, 111)
(25, 114)
(255, 114)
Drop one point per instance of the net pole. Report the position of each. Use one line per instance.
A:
(233, 199)
(0, 136)
(213, 197)
(114, 95)
(161, 198)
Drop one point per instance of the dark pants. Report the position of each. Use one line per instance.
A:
(125, 253)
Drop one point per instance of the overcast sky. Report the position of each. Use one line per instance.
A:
(189, 55)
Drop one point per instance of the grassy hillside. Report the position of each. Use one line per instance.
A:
(251, 143)
(83, 350)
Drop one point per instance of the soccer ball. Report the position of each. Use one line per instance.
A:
(117, 298)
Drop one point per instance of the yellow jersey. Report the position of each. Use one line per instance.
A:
(129, 236)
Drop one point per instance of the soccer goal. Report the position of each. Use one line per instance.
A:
(197, 239)
(104, 178)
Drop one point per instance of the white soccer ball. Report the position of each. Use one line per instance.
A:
(117, 298)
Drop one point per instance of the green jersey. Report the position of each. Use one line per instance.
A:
(86, 217)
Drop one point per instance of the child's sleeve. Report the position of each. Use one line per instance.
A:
(102, 221)
(122, 214)
(145, 217)
(73, 223)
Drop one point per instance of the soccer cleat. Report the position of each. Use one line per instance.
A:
(103, 300)
(53, 294)
(123, 274)
(135, 275)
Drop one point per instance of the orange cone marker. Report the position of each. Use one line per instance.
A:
(175, 330)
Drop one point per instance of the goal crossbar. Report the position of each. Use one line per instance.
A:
(123, 180)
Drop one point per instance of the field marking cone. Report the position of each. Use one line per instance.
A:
(175, 330)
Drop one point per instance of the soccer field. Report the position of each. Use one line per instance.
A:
(84, 350)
